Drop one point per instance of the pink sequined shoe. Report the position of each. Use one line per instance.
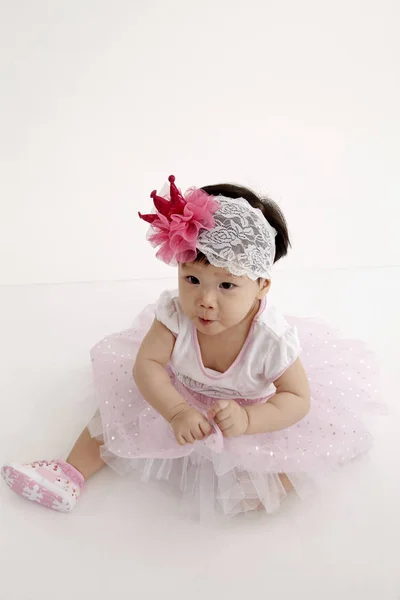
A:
(54, 484)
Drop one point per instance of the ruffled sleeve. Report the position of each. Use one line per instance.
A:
(281, 353)
(167, 311)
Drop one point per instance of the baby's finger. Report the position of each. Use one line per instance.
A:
(228, 432)
(189, 439)
(220, 405)
(181, 441)
(197, 433)
(205, 427)
(225, 424)
(222, 415)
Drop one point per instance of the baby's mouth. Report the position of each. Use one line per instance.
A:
(205, 322)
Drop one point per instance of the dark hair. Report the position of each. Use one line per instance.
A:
(268, 207)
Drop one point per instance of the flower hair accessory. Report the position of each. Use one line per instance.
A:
(229, 232)
(176, 224)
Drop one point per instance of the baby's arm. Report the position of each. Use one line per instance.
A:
(151, 376)
(153, 381)
(289, 405)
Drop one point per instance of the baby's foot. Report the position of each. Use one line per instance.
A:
(54, 484)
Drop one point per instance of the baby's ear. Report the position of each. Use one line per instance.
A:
(265, 286)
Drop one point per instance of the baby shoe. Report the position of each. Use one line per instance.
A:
(54, 484)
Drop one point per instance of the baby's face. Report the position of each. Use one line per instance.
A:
(214, 299)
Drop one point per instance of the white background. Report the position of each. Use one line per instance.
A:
(100, 101)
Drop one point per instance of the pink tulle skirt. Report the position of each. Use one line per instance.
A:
(237, 474)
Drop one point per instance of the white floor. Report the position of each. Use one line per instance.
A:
(128, 540)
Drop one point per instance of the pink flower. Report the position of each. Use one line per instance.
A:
(178, 222)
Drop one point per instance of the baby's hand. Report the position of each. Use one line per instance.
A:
(230, 417)
(190, 425)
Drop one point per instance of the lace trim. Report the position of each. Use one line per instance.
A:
(242, 241)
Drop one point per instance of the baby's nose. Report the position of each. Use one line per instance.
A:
(207, 301)
(206, 305)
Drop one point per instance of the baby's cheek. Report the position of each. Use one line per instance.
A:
(233, 317)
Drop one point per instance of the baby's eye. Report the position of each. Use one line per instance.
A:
(227, 286)
(193, 280)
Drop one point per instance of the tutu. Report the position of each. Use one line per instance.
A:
(233, 475)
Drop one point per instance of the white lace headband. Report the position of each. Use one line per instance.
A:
(229, 232)
(241, 241)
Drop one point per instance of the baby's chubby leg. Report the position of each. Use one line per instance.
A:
(56, 484)
(85, 455)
